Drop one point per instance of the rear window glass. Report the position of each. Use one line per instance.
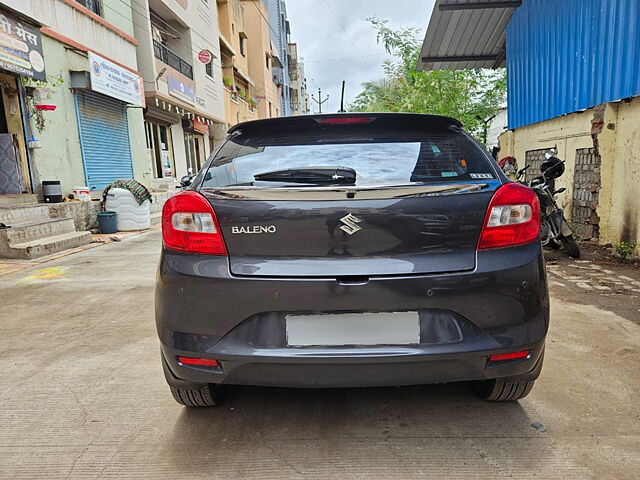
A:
(378, 158)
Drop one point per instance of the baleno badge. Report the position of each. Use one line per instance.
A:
(254, 229)
(350, 224)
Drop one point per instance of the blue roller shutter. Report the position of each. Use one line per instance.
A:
(104, 138)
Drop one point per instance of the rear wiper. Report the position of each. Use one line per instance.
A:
(329, 175)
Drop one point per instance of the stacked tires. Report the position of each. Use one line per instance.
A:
(131, 215)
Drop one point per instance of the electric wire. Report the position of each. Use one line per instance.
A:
(339, 22)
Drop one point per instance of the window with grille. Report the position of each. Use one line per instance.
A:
(94, 5)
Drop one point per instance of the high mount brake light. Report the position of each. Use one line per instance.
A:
(189, 224)
(344, 120)
(513, 218)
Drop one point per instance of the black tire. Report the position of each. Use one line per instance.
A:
(202, 396)
(499, 390)
(571, 247)
(553, 245)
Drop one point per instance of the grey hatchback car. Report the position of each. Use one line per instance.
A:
(351, 250)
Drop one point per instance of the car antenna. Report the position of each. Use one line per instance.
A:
(342, 110)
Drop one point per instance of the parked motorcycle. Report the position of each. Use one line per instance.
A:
(554, 229)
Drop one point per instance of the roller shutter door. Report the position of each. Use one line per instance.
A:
(104, 138)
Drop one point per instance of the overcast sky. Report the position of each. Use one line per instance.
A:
(337, 43)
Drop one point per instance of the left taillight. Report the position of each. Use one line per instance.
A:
(189, 224)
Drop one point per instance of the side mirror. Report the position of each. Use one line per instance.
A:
(186, 180)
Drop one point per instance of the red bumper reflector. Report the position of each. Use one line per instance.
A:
(509, 356)
(199, 362)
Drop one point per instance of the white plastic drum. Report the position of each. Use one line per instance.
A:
(131, 215)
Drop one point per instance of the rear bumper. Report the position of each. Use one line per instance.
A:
(203, 311)
(364, 371)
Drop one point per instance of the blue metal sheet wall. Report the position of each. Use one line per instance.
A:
(569, 55)
(104, 139)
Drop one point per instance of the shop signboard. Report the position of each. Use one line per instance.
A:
(204, 56)
(180, 90)
(115, 81)
(21, 48)
(200, 126)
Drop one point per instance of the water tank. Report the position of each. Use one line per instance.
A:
(131, 215)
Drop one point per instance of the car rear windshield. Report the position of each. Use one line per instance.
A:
(379, 156)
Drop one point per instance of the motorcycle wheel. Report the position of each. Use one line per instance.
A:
(553, 245)
(571, 247)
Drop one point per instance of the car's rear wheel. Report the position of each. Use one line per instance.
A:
(200, 396)
(499, 390)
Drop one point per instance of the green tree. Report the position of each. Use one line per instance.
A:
(471, 96)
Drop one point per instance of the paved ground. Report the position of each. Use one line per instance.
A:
(612, 286)
(82, 396)
(97, 239)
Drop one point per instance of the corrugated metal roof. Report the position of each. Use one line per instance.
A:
(566, 56)
(466, 34)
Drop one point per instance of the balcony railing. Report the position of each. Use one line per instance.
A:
(167, 56)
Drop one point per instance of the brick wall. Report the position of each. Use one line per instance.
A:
(586, 188)
(535, 159)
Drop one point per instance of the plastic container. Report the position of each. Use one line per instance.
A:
(52, 191)
(108, 222)
(131, 215)
(82, 193)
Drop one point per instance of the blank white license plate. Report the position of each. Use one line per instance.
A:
(395, 328)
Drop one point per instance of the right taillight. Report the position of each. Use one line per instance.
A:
(189, 224)
(513, 218)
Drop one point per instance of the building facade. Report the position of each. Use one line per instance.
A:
(573, 85)
(298, 88)
(280, 33)
(96, 90)
(495, 126)
(261, 59)
(68, 122)
(239, 88)
(180, 59)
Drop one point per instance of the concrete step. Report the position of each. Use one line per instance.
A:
(23, 214)
(49, 245)
(26, 232)
(18, 199)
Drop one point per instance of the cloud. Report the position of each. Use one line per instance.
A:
(337, 43)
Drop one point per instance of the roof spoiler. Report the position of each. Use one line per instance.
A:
(350, 119)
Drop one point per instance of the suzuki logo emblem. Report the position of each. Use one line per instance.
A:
(350, 224)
